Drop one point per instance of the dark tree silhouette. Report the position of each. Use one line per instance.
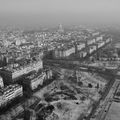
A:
(90, 85)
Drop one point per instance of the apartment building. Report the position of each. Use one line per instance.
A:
(10, 93)
(64, 52)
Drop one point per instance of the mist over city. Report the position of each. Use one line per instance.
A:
(59, 59)
(68, 12)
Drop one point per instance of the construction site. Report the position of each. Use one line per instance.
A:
(70, 97)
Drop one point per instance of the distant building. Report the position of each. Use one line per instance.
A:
(60, 28)
(9, 93)
(63, 52)
(91, 41)
(80, 46)
(99, 38)
(95, 33)
(12, 73)
(100, 44)
(83, 54)
(18, 42)
(34, 80)
(91, 49)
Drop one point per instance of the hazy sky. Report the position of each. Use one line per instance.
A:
(52, 12)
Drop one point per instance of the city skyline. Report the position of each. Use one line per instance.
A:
(59, 60)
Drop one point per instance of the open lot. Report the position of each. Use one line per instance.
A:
(114, 112)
